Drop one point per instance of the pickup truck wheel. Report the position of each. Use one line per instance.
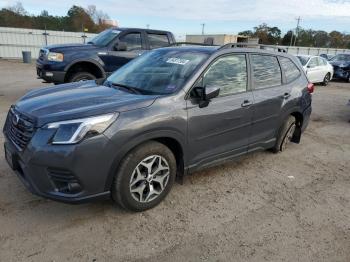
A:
(326, 79)
(285, 135)
(144, 177)
(81, 76)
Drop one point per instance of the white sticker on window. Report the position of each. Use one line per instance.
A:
(178, 61)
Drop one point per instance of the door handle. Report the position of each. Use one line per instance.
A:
(246, 103)
(286, 95)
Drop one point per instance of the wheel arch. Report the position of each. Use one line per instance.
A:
(87, 65)
(171, 140)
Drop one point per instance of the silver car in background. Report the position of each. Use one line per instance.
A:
(317, 69)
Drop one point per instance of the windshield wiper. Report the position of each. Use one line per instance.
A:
(129, 88)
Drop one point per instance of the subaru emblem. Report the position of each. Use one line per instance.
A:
(15, 119)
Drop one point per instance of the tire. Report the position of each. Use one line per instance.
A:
(81, 76)
(326, 79)
(285, 134)
(131, 189)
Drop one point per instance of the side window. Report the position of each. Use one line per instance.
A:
(157, 40)
(132, 40)
(266, 71)
(290, 70)
(313, 62)
(321, 61)
(229, 73)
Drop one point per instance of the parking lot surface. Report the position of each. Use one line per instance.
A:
(292, 206)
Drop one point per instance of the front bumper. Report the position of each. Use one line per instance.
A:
(49, 73)
(66, 173)
(339, 73)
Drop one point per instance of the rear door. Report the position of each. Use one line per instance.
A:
(314, 70)
(268, 98)
(223, 127)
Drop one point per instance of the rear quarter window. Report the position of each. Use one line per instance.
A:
(290, 70)
(266, 71)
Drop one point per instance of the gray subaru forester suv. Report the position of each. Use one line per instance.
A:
(161, 116)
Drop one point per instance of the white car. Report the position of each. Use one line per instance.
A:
(317, 69)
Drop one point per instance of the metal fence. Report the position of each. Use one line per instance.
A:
(297, 50)
(15, 40)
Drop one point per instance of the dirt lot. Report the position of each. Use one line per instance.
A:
(293, 206)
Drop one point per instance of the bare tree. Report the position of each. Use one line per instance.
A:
(18, 9)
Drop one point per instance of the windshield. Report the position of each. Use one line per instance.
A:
(104, 38)
(303, 59)
(340, 58)
(161, 71)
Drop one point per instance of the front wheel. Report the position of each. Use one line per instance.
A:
(285, 135)
(326, 79)
(144, 177)
(81, 76)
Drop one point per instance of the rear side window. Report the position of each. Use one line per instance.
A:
(157, 40)
(133, 41)
(290, 70)
(266, 71)
(313, 62)
(229, 73)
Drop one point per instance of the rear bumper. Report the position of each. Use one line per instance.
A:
(306, 118)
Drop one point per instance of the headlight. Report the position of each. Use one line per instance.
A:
(58, 57)
(73, 131)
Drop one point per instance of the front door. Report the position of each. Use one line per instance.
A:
(222, 128)
(115, 59)
(314, 70)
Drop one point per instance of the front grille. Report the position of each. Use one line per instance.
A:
(42, 53)
(19, 128)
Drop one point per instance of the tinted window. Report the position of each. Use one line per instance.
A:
(266, 71)
(341, 57)
(290, 70)
(229, 73)
(156, 40)
(313, 62)
(161, 71)
(132, 40)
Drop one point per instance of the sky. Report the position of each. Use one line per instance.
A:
(219, 16)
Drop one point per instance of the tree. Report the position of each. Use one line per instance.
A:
(321, 39)
(286, 40)
(336, 39)
(18, 9)
(77, 18)
(246, 33)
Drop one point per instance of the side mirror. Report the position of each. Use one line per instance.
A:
(120, 46)
(211, 92)
(204, 94)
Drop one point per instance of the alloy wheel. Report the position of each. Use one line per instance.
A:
(149, 178)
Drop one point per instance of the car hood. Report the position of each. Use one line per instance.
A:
(340, 63)
(71, 47)
(78, 100)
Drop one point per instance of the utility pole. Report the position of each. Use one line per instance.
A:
(297, 30)
(291, 38)
(203, 25)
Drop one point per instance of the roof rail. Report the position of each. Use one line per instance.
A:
(190, 43)
(251, 45)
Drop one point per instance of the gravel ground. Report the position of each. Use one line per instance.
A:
(293, 206)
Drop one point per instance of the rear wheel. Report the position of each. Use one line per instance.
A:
(81, 76)
(285, 135)
(326, 79)
(145, 177)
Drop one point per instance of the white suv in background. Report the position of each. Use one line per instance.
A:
(317, 69)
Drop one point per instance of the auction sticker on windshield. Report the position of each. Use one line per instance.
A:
(178, 61)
